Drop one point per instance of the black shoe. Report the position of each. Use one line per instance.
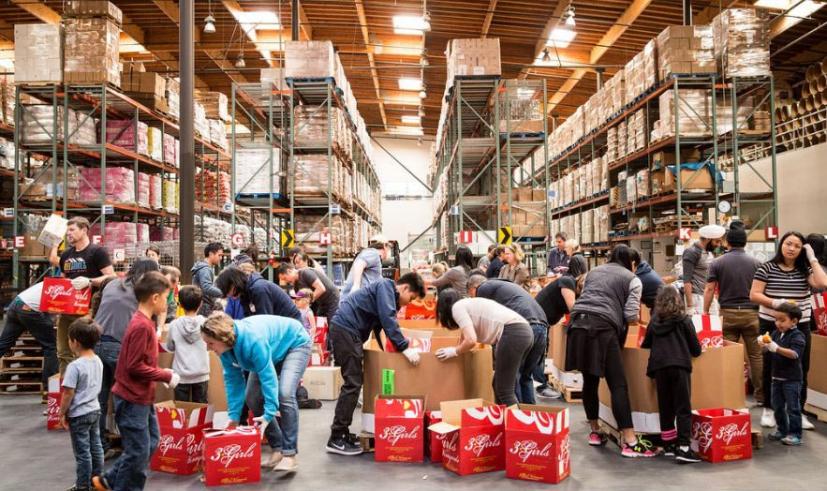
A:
(310, 404)
(686, 456)
(343, 446)
(669, 449)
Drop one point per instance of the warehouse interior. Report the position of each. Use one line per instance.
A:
(437, 125)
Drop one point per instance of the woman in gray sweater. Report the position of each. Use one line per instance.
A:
(457, 277)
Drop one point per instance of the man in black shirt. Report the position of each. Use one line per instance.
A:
(325, 294)
(84, 263)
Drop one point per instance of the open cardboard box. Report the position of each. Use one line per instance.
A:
(400, 428)
(181, 446)
(817, 378)
(216, 395)
(473, 436)
(537, 443)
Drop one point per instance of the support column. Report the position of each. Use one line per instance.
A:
(687, 12)
(186, 217)
(294, 20)
(600, 73)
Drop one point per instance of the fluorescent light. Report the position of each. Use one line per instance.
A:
(407, 130)
(411, 119)
(561, 37)
(409, 25)
(258, 20)
(410, 83)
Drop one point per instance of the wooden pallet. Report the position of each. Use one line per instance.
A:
(572, 395)
(14, 388)
(820, 413)
(22, 377)
(367, 441)
(17, 362)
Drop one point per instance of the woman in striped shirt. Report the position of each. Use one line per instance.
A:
(790, 276)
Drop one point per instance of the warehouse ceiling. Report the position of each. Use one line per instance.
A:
(608, 34)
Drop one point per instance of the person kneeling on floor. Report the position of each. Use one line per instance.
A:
(367, 310)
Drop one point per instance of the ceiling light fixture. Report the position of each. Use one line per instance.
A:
(421, 112)
(410, 83)
(561, 37)
(422, 93)
(410, 25)
(423, 60)
(209, 25)
(546, 55)
(569, 15)
(239, 62)
(411, 119)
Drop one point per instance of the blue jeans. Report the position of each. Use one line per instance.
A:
(21, 318)
(138, 425)
(86, 444)
(534, 359)
(282, 435)
(786, 402)
(107, 350)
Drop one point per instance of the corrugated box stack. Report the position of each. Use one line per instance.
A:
(477, 56)
(724, 116)
(215, 104)
(218, 133)
(312, 173)
(693, 114)
(528, 212)
(173, 96)
(622, 139)
(92, 42)
(43, 187)
(614, 88)
(640, 72)
(685, 50)
(7, 99)
(202, 126)
(38, 51)
(311, 130)
(310, 59)
(6, 154)
(742, 43)
(146, 88)
(636, 132)
(252, 170)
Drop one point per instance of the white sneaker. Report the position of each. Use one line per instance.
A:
(805, 423)
(287, 464)
(768, 418)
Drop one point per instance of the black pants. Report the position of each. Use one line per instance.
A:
(512, 349)
(348, 354)
(615, 377)
(42, 328)
(191, 392)
(769, 327)
(674, 387)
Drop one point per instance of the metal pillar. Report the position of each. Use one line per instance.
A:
(600, 73)
(186, 216)
(294, 20)
(687, 12)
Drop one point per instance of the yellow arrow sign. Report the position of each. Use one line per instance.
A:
(288, 239)
(504, 236)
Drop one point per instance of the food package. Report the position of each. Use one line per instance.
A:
(142, 197)
(170, 196)
(215, 104)
(475, 57)
(173, 96)
(312, 173)
(7, 99)
(39, 126)
(742, 42)
(685, 50)
(38, 52)
(44, 187)
(232, 456)
(120, 185)
(218, 133)
(253, 170)
(200, 123)
(212, 187)
(53, 231)
(170, 149)
(692, 115)
(91, 51)
(60, 297)
(6, 153)
(123, 133)
(156, 192)
(155, 143)
(473, 432)
(309, 59)
(709, 330)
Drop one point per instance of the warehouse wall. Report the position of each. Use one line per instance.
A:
(802, 175)
(411, 209)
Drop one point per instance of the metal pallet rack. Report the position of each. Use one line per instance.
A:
(479, 150)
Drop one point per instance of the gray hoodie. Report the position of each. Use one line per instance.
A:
(204, 278)
(191, 361)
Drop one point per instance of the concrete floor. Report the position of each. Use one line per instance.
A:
(34, 459)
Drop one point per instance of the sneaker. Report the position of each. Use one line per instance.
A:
(685, 455)
(100, 483)
(641, 449)
(343, 446)
(806, 424)
(275, 459)
(549, 393)
(353, 438)
(597, 439)
(287, 464)
(776, 436)
(791, 440)
(768, 418)
(669, 449)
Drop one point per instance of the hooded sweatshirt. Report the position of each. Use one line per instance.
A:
(204, 278)
(263, 297)
(651, 282)
(673, 343)
(191, 361)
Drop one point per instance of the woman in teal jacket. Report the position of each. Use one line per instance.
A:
(275, 350)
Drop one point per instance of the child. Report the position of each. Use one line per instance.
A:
(303, 298)
(134, 391)
(173, 274)
(787, 347)
(672, 339)
(80, 410)
(191, 359)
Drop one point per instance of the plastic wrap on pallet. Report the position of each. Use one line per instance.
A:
(161, 233)
(742, 42)
(521, 107)
(685, 50)
(38, 125)
(143, 233)
(6, 153)
(218, 133)
(215, 104)
(693, 113)
(169, 149)
(124, 133)
(211, 229)
(92, 8)
(476, 57)
(170, 196)
(117, 235)
(309, 59)
(622, 140)
(200, 123)
(173, 96)
(38, 52)
(7, 99)
(309, 228)
(640, 72)
(272, 78)
(212, 187)
(144, 191)
(156, 191)
(311, 125)
(723, 114)
(91, 51)
(120, 185)
(155, 143)
(252, 170)
(43, 185)
(615, 95)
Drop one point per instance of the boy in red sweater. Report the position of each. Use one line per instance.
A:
(134, 390)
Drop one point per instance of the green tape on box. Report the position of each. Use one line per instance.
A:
(388, 382)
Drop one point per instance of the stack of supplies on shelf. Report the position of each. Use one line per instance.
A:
(636, 132)
(173, 95)
(311, 127)
(253, 170)
(170, 196)
(611, 144)
(156, 191)
(170, 150)
(146, 88)
(215, 104)
(309, 229)
(143, 190)
(7, 99)
(691, 117)
(45, 186)
(38, 52)
(6, 153)
(119, 182)
(309, 59)
(742, 43)
(615, 99)
(520, 107)
(313, 172)
(155, 142)
(474, 57)
(685, 50)
(724, 114)
(92, 43)
(162, 233)
(39, 126)
(640, 72)
(202, 126)
(125, 133)
(212, 187)
(218, 133)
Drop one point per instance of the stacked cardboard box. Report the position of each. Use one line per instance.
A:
(173, 97)
(313, 172)
(253, 170)
(622, 139)
(92, 51)
(611, 144)
(615, 99)
(218, 133)
(685, 50)
(44, 187)
(312, 128)
(272, 78)
(640, 72)
(202, 126)
(692, 113)
(636, 132)
(147, 88)
(724, 114)
(92, 8)
(7, 98)
(478, 56)
(215, 104)
(310, 59)
(38, 53)
(742, 43)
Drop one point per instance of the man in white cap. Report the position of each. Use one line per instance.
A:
(367, 267)
(696, 260)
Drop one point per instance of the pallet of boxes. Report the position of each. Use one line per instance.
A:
(568, 383)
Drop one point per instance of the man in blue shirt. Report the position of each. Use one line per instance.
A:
(558, 260)
(370, 309)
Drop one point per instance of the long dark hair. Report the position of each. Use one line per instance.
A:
(138, 269)
(624, 256)
(444, 305)
(464, 258)
(817, 242)
(801, 263)
(669, 304)
(232, 279)
(304, 257)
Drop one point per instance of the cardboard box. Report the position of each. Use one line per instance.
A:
(400, 429)
(181, 447)
(635, 334)
(709, 330)
(817, 378)
(91, 53)
(690, 179)
(323, 383)
(92, 8)
(557, 345)
(54, 393)
(474, 436)
(38, 51)
(717, 381)
(232, 456)
(216, 395)
(433, 442)
(33, 248)
(59, 297)
(537, 443)
(147, 83)
(820, 313)
(54, 231)
(722, 435)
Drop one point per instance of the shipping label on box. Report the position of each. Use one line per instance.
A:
(537, 443)
(709, 330)
(55, 391)
(474, 440)
(60, 297)
(400, 429)
(433, 443)
(232, 456)
(181, 446)
(721, 435)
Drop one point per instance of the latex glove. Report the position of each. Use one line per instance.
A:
(811, 255)
(412, 355)
(773, 346)
(261, 423)
(777, 302)
(174, 381)
(446, 353)
(81, 282)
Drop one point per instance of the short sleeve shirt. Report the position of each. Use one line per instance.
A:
(791, 285)
(84, 375)
(372, 272)
(696, 268)
(327, 303)
(89, 262)
(733, 272)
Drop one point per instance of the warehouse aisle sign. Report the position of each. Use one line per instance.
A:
(288, 239)
(504, 236)
(466, 236)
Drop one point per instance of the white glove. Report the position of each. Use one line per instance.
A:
(446, 353)
(412, 356)
(777, 302)
(811, 254)
(773, 346)
(261, 423)
(174, 381)
(81, 282)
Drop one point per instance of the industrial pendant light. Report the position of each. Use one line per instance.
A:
(209, 21)
(570, 15)
(546, 55)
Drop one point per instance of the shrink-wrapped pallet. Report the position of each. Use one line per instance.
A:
(169, 149)
(6, 153)
(640, 73)
(587, 227)
(218, 133)
(742, 42)
(692, 115)
(7, 99)
(474, 57)
(312, 131)
(520, 104)
(143, 196)
(173, 96)
(309, 59)
(200, 123)
(156, 191)
(253, 170)
(44, 185)
(170, 196)
(155, 143)
(215, 104)
(119, 182)
(685, 50)
(125, 133)
(38, 54)
(91, 51)
(615, 99)
(92, 8)
(38, 125)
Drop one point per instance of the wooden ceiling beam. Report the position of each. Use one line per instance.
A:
(363, 23)
(552, 22)
(39, 10)
(489, 17)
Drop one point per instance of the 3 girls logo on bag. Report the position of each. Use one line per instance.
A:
(721, 435)
(526, 449)
(60, 297)
(702, 432)
(189, 444)
(480, 443)
(393, 434)
(730, 432)
(228, 454)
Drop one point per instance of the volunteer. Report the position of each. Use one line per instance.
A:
(325, 299)
(457, 276)
(513, 268)
(301, 261)
(575, 254)
(204, 278)
(558, 260)
(609, 301)
(515, 298)
(255, 294)
(731, 276)
(495, 264)
(790, 276)
(367, 267)
(695, 262)
(368, 310)
(485, 321)
(275, 351)
(485, 260)
(649, 280)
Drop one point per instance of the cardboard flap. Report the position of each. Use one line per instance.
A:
(443, 428)
(452, 410)
(181, 414)
(546, 420)
(399, 406)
